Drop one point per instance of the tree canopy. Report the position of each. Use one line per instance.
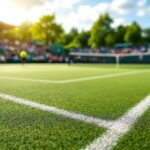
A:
(133, 33)
(100, 30)
(48, 31)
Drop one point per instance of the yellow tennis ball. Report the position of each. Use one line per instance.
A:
(23, 54)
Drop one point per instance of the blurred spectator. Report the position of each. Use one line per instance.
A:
(9, 52)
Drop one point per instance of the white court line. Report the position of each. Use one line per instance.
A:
(116, 129)
(76, 80)
(72, 115)
(109, 139)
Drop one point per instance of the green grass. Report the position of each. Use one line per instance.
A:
(54, 72)
(105, 98)
(25, 128)
(139, 136)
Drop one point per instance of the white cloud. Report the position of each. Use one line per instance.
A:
(81, 18)
(117, 22)
(141, 3)
(84, 16)
(122, 7)
(141, 13)
(71, 13)
(142, 8)
(68, 3)
(27, 4)
(88, 12)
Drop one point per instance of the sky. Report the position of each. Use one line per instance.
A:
(76, 13)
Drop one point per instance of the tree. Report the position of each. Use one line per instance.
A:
(5, 26)
(147, 35)
(12, 35)
(80, 40)
(99, 31)
(110, 39)
(83, 39)
(69, 37)
(47, 30)
(25, 31)
(133, 33)
(5, 30)
(120, 34)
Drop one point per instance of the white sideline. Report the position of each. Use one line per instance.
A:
(120, 127)
(72, 115)
(116, 129)
(76, 80)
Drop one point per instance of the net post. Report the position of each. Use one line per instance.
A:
(117, 60)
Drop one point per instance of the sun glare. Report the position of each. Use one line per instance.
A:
(10, 13)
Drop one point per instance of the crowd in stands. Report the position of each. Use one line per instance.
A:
(116, 50)
(10, 52)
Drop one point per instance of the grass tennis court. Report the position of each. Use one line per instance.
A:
(109, 96)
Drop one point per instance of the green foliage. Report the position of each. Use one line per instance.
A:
(21, 33)
(110, 39)
(78, 40)
(120, 34)
(47, 30)
(25, 31)
(82, 39)
(99, 31)
(69, 37)
(133, 33)
(13, 34)
(147, 35)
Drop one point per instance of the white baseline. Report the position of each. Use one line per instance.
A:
(72, 115)
(116, 129)
(76, 80)
(109, 139)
